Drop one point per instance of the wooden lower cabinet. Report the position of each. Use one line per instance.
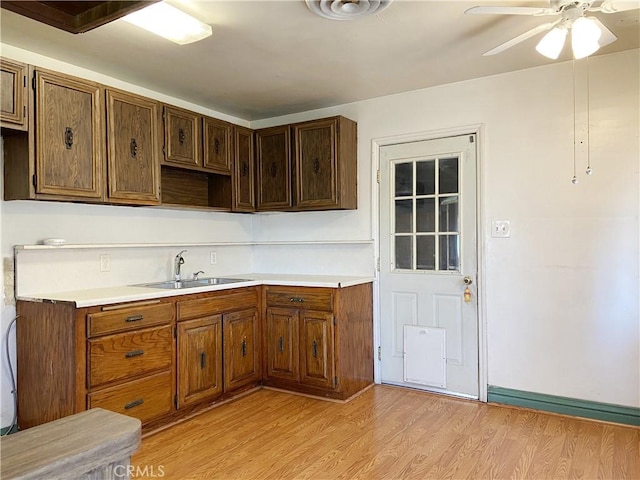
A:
(162, 360)
(242, 359)
(199, 359)
(322, 346)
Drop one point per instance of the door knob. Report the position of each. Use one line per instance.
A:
(467, 280)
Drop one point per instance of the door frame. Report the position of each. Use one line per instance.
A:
(376, 145)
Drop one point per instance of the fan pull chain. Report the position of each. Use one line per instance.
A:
(574, 180)
(588, 171)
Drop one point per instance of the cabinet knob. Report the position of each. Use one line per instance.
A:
(68, 137)
(181, 136)
(216, 146)
(281, 345)
(134, 148)
(244, 347)
(203, 360)
(314, 349)
(316, 165)
(274, 169)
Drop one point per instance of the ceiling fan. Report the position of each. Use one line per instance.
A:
(588, 33)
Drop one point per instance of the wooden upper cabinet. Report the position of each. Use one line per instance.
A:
(243, 170)
(273, 161)
(13, 95)
(69, 136)
(217, 145)
(325, 164)
(182, 138)
(133, 160)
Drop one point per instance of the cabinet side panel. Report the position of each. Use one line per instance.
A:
(354, 338)
(45, 352)
(348, 164)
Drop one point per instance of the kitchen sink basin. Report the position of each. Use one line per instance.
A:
(200, 282)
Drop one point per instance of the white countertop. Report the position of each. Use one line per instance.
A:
(132, 293)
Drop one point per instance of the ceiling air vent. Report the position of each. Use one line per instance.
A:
(346, 9)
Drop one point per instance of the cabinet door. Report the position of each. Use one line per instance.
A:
(282, 343)
(182, 142)
(316, 164)
(199, 359)
(273, 162)
(217, 146)
(13, 94)
(69, 136)
(316, 349)
(243, 184)
(241, 349)
(132, 155)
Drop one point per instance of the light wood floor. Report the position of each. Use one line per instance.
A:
(387, 433)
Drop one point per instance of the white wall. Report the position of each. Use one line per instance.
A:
(561, 294)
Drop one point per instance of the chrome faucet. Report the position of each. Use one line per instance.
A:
(176, 266)
(195, 275)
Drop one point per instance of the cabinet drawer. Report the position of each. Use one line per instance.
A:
(225, 302)
(129, 318)
(144, 399)
(116, 357)
(302, 299)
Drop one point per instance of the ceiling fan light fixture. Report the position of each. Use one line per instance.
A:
(169, 22)
(585, 34)
(552, 43)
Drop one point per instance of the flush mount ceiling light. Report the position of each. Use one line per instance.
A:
(588, 34)
(346, 9)
(170, 23)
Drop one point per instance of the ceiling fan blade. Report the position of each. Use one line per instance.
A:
(606, 36)
(511, 11)
(613, 6)
(521, 38)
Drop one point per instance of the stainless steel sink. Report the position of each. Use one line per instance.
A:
(200, 282)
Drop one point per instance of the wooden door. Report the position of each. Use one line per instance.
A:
(316, 349)
(273, 161)
(316, 164)
(182, 141)
(217, 145)
(13, 94)
(199, 359)
(70, 136)
(282, 343)
(132, 154)
(241, 349)
(243, 183)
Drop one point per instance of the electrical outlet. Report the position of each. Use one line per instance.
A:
(213, 258)
(500, 228)
(105, 262)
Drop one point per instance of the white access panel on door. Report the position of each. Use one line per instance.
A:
(425, 355)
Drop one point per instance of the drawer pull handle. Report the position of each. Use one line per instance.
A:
(296, 299)
(281, 344)
(244, 347)
(135, 403)
(314, 351)
(134, 353)
(203, 360)
(134, 318)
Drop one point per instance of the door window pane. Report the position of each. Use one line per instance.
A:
(425, 215)
(448, 214)
(404, 216)
(449, 252)
(426, 177)
(426, 252)
(404, 179)
(404, 252)
(448, 175)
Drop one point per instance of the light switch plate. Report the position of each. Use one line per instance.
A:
(105, 262)
(213, 258)
(500, 229)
